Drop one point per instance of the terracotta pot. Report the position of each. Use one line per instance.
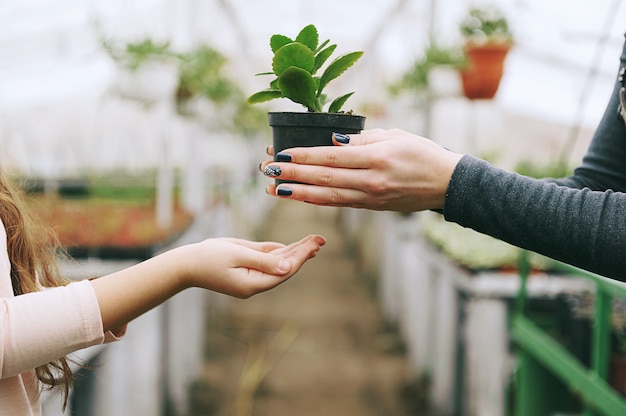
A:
(294, 129)
(481, 78)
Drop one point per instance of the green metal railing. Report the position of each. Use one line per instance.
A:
(541, 357)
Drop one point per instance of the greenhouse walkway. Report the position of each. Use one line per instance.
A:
(314, 346)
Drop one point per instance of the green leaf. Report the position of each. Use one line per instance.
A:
(264, 73)
(322, 99)
(322, 57)
(278, 41)
(338, 67)
(308, 36)
(293, 54)
(298, 85)
(322, 46)
(296, 64)
(264, 95)
(338, 102)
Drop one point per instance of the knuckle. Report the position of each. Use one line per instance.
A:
(378, 187)
(325, 177)
(335, 197)
(330, 157)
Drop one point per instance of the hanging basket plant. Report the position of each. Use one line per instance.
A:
(146, 70)
(419, 77)
(488, 39)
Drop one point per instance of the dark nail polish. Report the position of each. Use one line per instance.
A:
(341, 138)
(267, 150)
(260, 165)
(283, 157)
(272, 171)
(283, 192)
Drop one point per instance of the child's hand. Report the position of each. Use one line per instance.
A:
(244, 268)
(231, 266)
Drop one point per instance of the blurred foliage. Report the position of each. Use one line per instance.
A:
(125, 187)
(118, 186)
(486, 24)
(111, 209)
(539, 170)
(202, 76)
(135, 54)
(417, 77)
(481, 25)
(95, 222)
(474, 250)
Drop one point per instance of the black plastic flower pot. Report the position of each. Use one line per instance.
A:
(300, 129)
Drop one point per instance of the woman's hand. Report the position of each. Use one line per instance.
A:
(377, 169)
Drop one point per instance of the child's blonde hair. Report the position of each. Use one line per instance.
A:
(33, 250)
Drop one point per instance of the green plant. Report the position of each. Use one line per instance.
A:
(474, 250)
(417, 77)
(553, 169)
(201, 74)
(295, 65)
(486, 25)
(134, 54)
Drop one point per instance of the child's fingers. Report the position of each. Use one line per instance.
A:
(264, 246)
(311, 241)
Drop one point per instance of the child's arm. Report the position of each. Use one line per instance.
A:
(234, 267)
(38, 327)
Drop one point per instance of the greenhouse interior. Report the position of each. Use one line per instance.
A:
(134, 128)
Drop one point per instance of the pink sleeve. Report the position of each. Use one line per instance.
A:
(40, 327)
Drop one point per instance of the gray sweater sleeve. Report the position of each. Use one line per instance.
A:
(580, 220)
(604, 166)
(581, 227)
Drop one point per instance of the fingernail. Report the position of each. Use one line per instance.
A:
(283, 192)
(260, 165)
(272, 171)
(267, 150)
(341, 138)
(283, 157)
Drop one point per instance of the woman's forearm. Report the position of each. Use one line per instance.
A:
(580, 227)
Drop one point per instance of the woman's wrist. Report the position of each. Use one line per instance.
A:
(451, 161)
